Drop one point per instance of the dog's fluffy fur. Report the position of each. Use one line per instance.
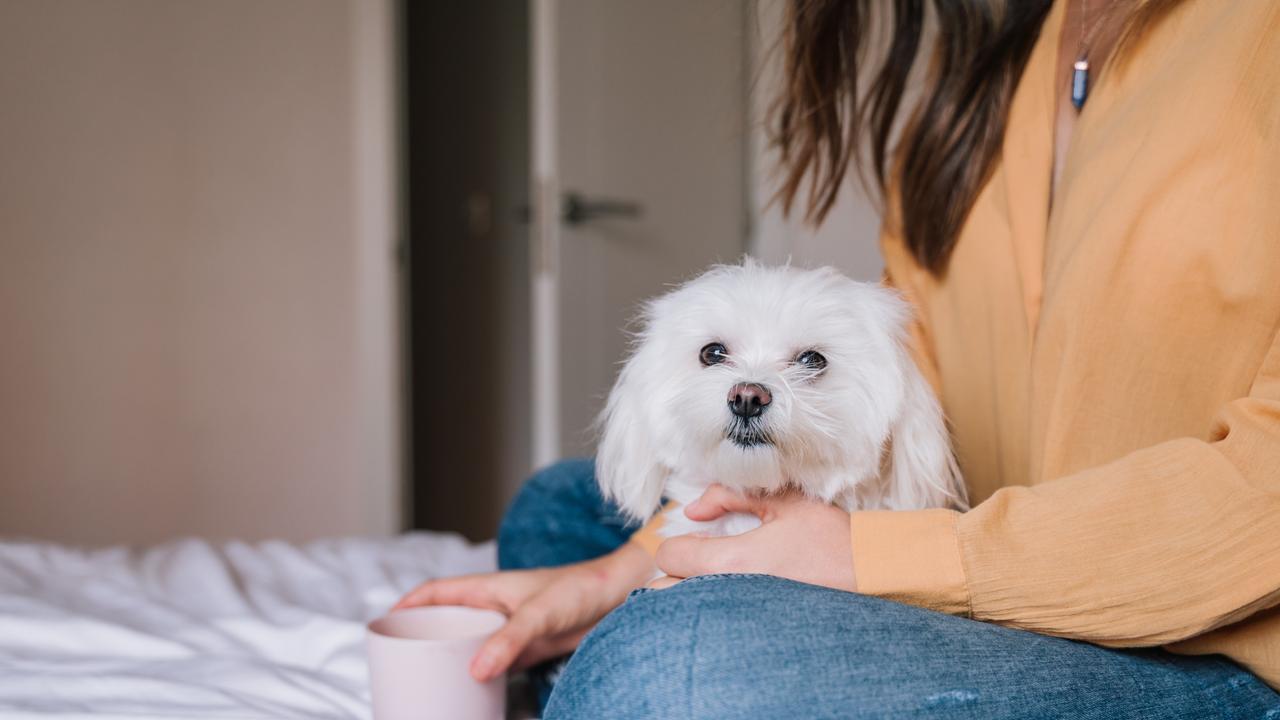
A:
(863, 432)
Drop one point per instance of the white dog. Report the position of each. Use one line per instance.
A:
(764, 378)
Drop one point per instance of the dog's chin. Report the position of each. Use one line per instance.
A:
(748, 436)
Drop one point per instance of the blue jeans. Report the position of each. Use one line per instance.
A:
(756, 646)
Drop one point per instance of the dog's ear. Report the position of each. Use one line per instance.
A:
(627, 466)
(922, 472)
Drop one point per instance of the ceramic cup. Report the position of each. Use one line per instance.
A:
(418, 661)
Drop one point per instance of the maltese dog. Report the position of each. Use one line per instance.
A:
(770, 378)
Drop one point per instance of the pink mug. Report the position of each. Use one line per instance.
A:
(418, 660)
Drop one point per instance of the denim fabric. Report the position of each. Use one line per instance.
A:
(558, 518)
(755, 646)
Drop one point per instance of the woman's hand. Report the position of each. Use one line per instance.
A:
(548, 610)
(798, 538)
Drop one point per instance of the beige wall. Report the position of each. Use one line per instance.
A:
(848, 238)
(197, 332)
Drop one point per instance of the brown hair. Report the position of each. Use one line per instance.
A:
(823, 121)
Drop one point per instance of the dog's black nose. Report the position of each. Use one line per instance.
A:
(748, 400)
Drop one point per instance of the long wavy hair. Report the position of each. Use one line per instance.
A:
(832, 112)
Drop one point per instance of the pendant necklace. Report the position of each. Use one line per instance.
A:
(1080, 70)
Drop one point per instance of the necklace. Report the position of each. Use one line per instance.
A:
(1080, 70)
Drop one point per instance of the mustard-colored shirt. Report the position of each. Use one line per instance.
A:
(1111, 367)
(1109, 360)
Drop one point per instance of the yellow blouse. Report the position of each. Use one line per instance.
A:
(1111, 369)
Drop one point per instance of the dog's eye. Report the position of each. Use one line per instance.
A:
(812, 359)
(713, 354)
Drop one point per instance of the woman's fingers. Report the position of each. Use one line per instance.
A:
(689, 556)
(548, 610)
(469, 590)
(549, 647)
(718, 500)
(549, 613)
(504, 646)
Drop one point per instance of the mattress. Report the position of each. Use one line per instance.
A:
(193, 629)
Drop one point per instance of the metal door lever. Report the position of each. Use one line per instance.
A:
(579, 209)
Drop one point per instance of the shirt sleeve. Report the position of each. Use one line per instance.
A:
(1163, 544)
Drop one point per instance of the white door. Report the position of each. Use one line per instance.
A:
(639, 178)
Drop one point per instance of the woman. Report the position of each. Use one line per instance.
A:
(1098, 296)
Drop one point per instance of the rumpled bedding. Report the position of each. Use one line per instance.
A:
(192, 629)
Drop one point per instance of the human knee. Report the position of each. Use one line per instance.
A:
(644, 648)
(624, 667)
(745, 646)
(539, 507)
(571, 478)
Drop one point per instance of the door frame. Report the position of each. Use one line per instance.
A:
(544, 237)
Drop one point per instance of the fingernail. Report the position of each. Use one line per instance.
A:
(482, 666)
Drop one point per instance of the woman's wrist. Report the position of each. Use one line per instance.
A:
(627, 568)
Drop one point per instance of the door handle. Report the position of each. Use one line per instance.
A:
(578, 209)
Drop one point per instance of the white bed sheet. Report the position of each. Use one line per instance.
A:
(191, 629)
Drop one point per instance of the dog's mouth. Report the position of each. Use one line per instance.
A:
(747, 434)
